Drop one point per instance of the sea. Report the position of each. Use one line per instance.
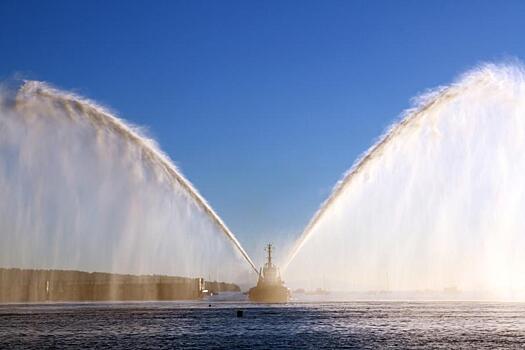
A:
(222, 324)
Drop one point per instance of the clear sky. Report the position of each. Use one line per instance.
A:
(262, 104)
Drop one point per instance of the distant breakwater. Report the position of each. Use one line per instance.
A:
(19, 285)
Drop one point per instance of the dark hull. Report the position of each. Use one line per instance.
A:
(269, 294)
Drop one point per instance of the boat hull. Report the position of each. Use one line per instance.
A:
(269, 294)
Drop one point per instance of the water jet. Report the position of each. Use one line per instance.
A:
(83, 190)
(435, 202)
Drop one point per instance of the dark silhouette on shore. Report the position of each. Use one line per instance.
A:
(19, 285)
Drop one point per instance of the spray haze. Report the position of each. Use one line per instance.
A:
(82, 190)
(435, 203)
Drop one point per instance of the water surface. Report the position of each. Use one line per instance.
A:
(307, 325)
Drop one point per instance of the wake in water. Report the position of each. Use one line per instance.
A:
(83, 190)
(436, 203)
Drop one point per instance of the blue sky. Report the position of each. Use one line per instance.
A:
(262, 104)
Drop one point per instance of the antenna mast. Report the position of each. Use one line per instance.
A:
(269, 250)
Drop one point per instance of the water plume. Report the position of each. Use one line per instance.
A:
(435, 203)
(81, 189)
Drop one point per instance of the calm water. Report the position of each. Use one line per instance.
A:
(307, 325)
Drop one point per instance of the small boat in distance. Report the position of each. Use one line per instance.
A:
(270, 287)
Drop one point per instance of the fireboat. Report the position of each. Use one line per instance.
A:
(270, 287)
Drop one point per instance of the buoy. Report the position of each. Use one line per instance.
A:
(240, 313)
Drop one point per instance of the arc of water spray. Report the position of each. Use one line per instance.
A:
(99, 116)
(411, 116)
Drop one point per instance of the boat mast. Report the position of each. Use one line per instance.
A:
(269, 250)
